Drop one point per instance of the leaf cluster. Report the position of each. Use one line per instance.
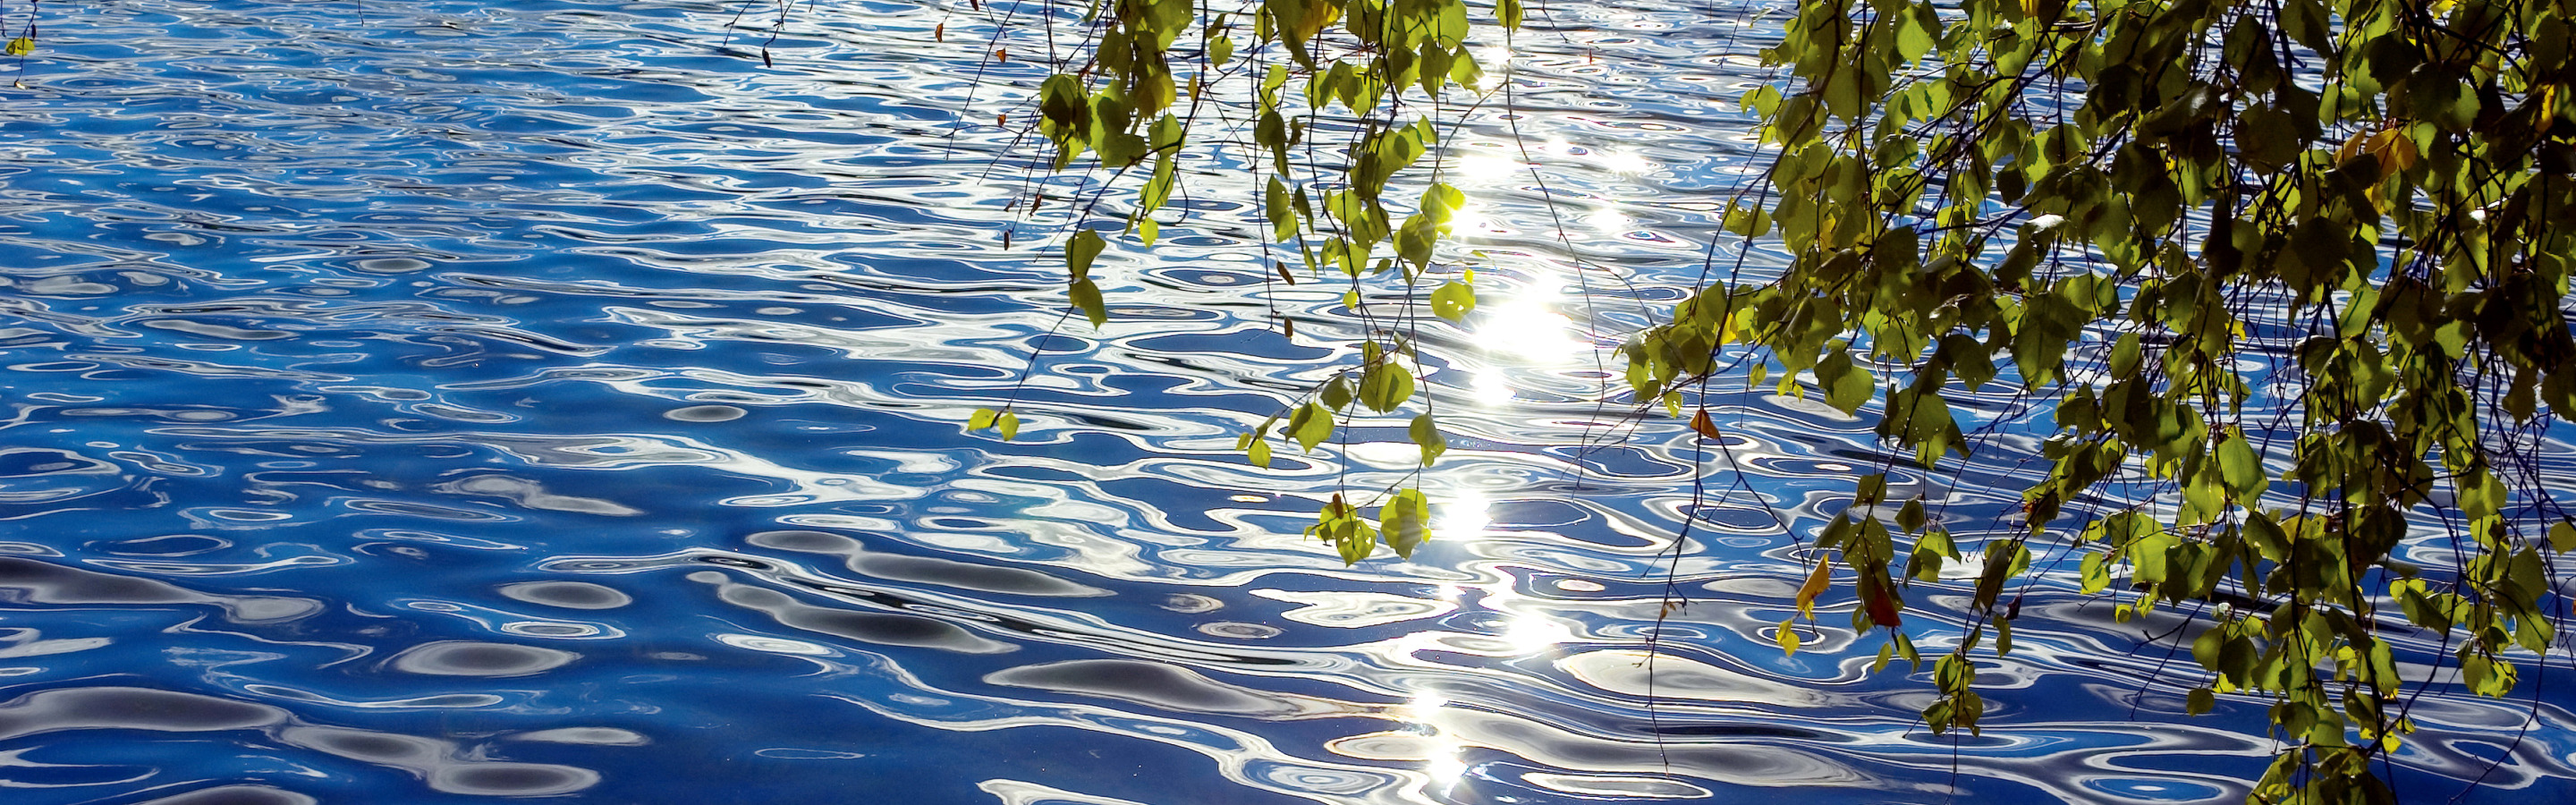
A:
(2300, 266)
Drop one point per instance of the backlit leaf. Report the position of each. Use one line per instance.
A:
(1427, 435)
(1085, 297)
(1453, 301)
(1405, 521)
(1080, 251)
(1310, 426)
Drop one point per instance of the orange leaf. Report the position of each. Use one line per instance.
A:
(1706, 427)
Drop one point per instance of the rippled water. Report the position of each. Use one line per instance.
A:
(425, 402)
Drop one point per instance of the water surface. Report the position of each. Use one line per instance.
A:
(434, 402)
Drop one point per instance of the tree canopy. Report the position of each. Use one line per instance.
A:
(2286, 279)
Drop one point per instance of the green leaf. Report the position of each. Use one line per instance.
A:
(1354, 540)
(1079, 252)
(2200, 700)
(1867, 490)
(1399, 386)
(1916, 32)
(1310, 426)
(1453, 301)
(1751, 222)
(1929, 555)
(1842, 94)
(1085, 297)
(1283, 218)
(1847, 387)
(2241, 469)
(2096, 572)
(1159, 188)
(1970, 359)
(1427, 434)
(1405, 521)
(2005, 559)
(1337, 394)
(1259, 453)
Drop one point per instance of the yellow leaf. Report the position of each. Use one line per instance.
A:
(2395, 150)
(1817, 581)
(1787, 636)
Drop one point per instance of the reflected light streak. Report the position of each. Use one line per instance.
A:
(1609, 221)
(1626, 163)
(1469, 218)
(1425, 705)
(1526, 324)
(1487, 168)
(1440, 759)
(1444, 767)
(1461, 518)
(1531, 634)
(1495, 58)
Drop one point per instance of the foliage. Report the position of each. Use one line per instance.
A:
(2373, 205)
(1153, 72)
(2300, 266)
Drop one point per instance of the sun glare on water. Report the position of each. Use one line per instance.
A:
(1526, 325)
(1463, 517)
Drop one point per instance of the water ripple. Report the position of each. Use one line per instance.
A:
(451, 401)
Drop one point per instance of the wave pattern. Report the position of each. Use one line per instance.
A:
(445, 401)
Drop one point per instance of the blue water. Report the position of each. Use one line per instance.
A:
(434, 402)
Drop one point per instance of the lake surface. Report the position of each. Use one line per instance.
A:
(435, 402)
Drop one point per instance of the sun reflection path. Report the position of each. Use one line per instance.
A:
(1526, 324)
(1441, 759)
(1521, 331)
(1465, 517)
